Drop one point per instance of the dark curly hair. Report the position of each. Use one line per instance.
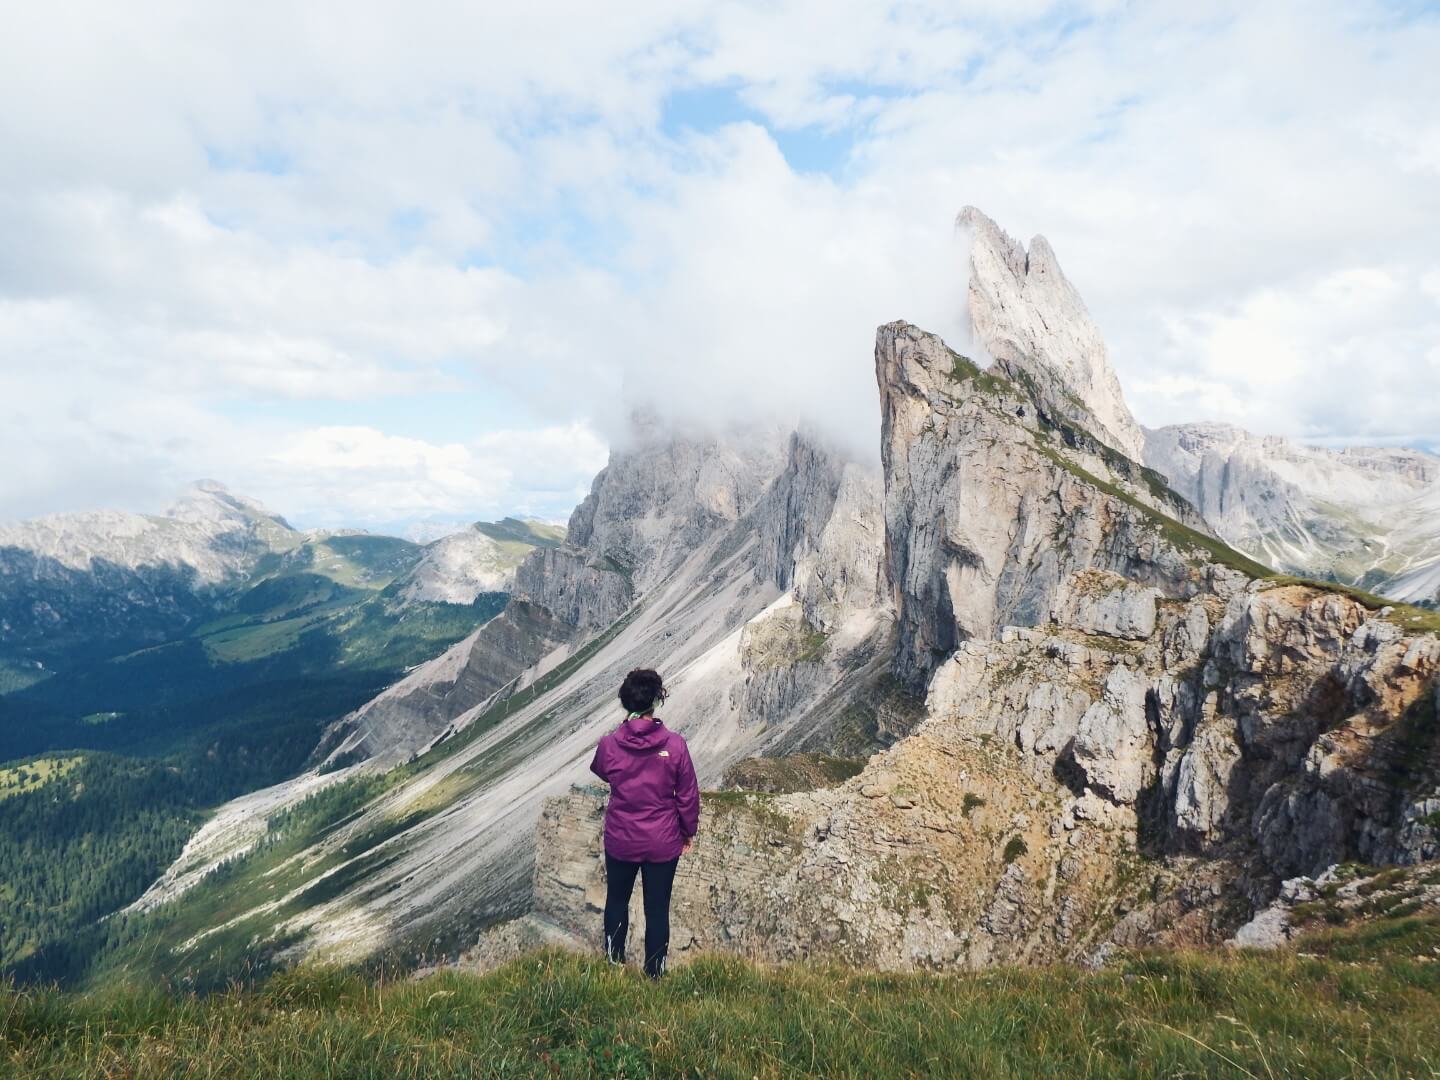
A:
(642, 690)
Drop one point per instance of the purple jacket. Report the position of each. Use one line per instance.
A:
(654, 798)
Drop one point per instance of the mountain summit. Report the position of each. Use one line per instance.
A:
(1028, 316)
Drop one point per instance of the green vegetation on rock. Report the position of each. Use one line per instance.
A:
(1176, 533)
(792, 772)
(966, 370)
(1415, 620)
(525, 531)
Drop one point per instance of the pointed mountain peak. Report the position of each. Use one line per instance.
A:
(212, 501)
(1026, 314)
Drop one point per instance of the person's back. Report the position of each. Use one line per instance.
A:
(653, 814)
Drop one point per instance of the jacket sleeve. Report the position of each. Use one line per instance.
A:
(598, 764)
(687, 794)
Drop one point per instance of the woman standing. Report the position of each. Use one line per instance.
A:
(651, 819)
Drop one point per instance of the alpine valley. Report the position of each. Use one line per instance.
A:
(154, 666)
(1032, 684)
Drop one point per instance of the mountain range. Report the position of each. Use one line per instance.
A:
(161, 664)
(1031, 688)
(1367, 516)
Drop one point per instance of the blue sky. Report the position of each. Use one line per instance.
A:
(378, 267)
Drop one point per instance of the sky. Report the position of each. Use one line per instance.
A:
(396, 266)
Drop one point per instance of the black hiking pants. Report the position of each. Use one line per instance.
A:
(656, 880)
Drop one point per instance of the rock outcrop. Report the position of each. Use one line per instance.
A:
(1071, 789)
(989, 507)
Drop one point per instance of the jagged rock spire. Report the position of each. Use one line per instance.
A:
(1025, 312)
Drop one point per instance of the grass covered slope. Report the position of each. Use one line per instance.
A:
(1347, 1003)
(167, 731)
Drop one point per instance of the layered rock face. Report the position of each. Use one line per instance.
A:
(654, 503)
(458, 568)
(1363, 516)
(652, 506)
(989, 508)
(1028, 316)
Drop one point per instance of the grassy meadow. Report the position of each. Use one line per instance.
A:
(1359, 1001)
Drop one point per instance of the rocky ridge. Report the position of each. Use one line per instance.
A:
(1027, 316)
(1368, 517)
(458, 568)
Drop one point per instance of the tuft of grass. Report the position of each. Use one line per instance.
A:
(792, 772)
(1014, 849)
(1347, 1002)
(965, 370)
(972, 802)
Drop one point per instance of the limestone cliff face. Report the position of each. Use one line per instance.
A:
(990, 505)
(659, 499)
(652, 506)
(1030, 318)
(582, 590)
(483, 558)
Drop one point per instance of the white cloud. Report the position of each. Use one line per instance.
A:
(363, 476)
(233, 235)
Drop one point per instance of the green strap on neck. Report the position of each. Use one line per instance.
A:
(637, 715)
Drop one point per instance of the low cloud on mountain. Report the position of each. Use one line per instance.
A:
(374, 265)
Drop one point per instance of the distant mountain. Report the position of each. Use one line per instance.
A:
(88, 584)
(483, 558)
(1368, 517)
(153, 665)
(78, 587)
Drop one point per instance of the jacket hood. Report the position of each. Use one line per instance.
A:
(641, 733)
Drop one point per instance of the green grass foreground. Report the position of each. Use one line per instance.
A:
(1355, 1002)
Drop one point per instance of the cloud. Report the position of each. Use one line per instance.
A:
(239, 239)
(366, 477)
